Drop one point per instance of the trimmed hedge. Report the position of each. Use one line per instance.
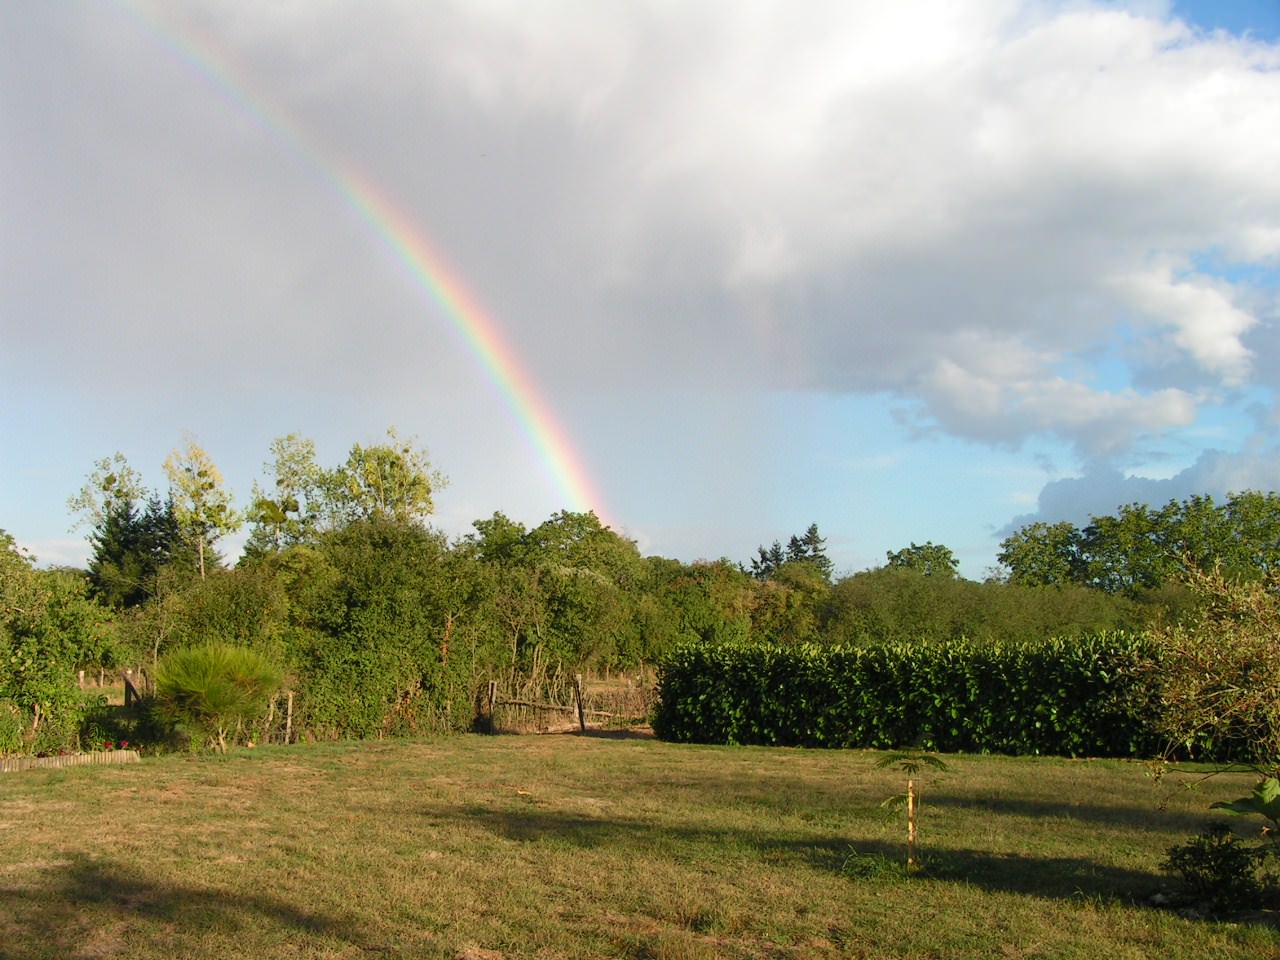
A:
(1078, 697)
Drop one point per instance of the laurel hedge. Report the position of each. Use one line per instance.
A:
(1078, 697)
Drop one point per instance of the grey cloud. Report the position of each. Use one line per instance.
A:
(651, 193)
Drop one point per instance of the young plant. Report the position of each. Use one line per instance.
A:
(910, 762)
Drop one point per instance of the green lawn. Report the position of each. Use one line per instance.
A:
(570, 846)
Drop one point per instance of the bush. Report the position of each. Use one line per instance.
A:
(212, 690)
(1223, 873)
(1218, 671)
(11, 727)
(1071, 698)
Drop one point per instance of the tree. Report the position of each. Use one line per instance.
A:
(112, 486)
(293, 512)
(201, 505)
(215, 688)
(131, 545)
(48, 627)
(1217, 671)
(809, 548)
(1043, 554)
(930, 559)
(391, 481)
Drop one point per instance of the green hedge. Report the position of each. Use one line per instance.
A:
(1076, 697)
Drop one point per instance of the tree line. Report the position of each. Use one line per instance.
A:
(382, 624)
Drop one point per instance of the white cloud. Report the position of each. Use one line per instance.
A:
(1204, 321)
(961, 205)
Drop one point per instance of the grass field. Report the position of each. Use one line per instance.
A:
(580, 846)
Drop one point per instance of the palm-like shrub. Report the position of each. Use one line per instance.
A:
(214, 688)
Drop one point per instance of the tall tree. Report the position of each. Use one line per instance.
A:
(809, 548)
(112, 486)
(1043, 554)
(930, 559)
(386, 481)
(131, 545)
(292, 510)
(201, 505)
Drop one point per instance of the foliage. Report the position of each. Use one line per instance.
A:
(930, 559)
(213, 689)
(201, 506)
(1218, 671)
(294, 511)
(370, 610)
(911, 762)
(1074, 698)
(1263, 802)
(392, 481)
(48, 627)
(809, 548)
(1141, 547)
(132, 545)
(903, 605)
(1224, 873)
(110, 485)
(12, 726)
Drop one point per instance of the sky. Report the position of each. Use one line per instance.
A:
(920, 271)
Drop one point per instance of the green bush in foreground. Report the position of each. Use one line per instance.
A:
(212, 690)
(1079, 697)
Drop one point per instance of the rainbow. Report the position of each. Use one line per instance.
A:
(399, 236)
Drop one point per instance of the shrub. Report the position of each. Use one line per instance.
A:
(211, 690)
(1218, 671)
(1073, 698)
(11, 727)
(1222, 872)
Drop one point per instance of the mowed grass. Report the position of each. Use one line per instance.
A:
(579, 846)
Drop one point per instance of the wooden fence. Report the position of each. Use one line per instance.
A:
(97, 758)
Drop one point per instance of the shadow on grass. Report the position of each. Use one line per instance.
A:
(1060, 878)
(87, 907)
(1120, 816)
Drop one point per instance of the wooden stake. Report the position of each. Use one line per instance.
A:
(912, 808)
(582, 709)
(493, 699)
(288, 719)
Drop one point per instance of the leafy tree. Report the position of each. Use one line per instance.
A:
(201, 505)
(785, 608)
(930, 559)
(48, 627)
(499, 539)
(1043, 554)
(111, 485)
(292, 512)
(1219, 669)
(710, 601)
(1141, 549)
(391, 481)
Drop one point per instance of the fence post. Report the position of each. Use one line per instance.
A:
(288, 719)
(493, 699)
(582, 709)
(131, 696)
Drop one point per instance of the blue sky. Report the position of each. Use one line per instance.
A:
(768, 265)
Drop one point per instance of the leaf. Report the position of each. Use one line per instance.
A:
(1264, 801)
